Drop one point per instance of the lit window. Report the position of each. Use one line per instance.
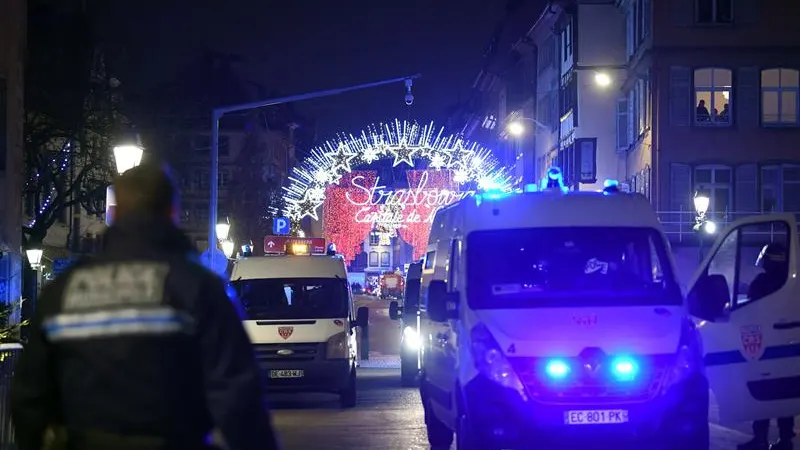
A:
(490, 122)
(714, 11)
(779, 95)
(712, 92)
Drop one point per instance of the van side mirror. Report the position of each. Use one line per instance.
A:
(441, 303)
(709, 297)
(362, 317)
(394, 310)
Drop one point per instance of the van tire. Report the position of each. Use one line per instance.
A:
(439, 435)
(408, 372)
(348, 397)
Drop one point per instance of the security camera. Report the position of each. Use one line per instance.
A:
(409, 98)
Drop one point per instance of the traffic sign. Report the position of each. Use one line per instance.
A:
(281, 225)
(275, 244)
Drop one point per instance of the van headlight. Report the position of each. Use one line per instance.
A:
(336, 347)
(411, 338)
(491, 362)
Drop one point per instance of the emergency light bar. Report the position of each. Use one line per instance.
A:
(297, 248)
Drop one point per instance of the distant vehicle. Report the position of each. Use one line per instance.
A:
(408, 314)
(301, 319)
(392, 285)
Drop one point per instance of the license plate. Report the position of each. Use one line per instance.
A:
(596, 417)
(286, 374)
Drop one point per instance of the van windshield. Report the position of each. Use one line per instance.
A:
(293, 298)
(569, 266)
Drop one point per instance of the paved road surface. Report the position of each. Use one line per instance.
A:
(384, 333)
(387, 417)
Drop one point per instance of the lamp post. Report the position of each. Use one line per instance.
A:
(218, 113)
(702, 226)
(128, 154)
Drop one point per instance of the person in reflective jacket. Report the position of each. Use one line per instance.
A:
(140, 348)
(773, 260)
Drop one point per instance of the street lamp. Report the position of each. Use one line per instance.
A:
(516, 128)
(128, 152)
(602, 79)
(223, 230)
(227, 248)
(701, 203)
(35, 257)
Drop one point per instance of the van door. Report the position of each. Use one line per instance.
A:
(752, 350)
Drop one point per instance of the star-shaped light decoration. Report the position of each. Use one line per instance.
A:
(459, 156)
(341, 158)
(308, 206)
(460, 176)
(403, 154)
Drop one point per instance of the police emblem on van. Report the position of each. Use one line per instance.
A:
(285, 332)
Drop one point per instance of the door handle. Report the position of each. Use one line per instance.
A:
(786, 325)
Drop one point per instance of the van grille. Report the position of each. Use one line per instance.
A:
(587, 386)
(288, 352)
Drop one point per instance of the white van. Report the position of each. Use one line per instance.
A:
(408, 315)
(300, 317)
(551, 314)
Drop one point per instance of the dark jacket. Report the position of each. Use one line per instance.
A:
(141, 345)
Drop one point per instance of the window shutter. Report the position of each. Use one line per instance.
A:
(680, 96)
(682, 12)
(746, 193)
(631, 116)
(746, 12)
(622, 125)
(680, 187)
(3, 123)
(747, 97)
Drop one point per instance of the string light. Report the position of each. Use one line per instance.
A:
(60, 163)
(401, 140)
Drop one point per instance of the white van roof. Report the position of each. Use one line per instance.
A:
(289, 266)
(545, 209)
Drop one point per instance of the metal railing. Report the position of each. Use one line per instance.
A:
(9, 353)
(679, 225)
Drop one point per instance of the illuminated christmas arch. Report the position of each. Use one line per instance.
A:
(315, 179)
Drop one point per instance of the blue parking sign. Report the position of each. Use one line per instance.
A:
(281, 225)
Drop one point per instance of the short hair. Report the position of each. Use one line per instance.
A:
(145, 189)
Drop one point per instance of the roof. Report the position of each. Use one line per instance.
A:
(545, 209)
(289, 266)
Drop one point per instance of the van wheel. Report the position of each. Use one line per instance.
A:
(439, 435)
(408, 372)
(347, 398)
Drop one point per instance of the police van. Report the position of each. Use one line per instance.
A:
(300, 316)
(553, 314)
(408, 315)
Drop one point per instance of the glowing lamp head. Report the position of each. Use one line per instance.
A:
(701, 203)
(602, 79)
(516, 128)
(127, 156)
(223, 229)
(624, 368)
(227, 248)
(709, 227)
(557, 369)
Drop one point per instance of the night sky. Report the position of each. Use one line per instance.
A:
(302, 45)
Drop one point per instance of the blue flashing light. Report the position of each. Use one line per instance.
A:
(531, 187)
(554, 180)
(610, 183)
(557, 369)
(624, 368)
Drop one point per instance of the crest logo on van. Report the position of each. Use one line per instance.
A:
(752, 341)
(285, 332)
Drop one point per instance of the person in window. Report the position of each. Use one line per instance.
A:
(773, 260)
(702, 112)
(725, 115)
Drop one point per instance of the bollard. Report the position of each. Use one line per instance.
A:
(365, 343)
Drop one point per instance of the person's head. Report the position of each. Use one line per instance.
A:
(702, 103)
(773, 258)
(146, 190)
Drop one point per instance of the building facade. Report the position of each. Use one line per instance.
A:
(12, 56)
(712, 101)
